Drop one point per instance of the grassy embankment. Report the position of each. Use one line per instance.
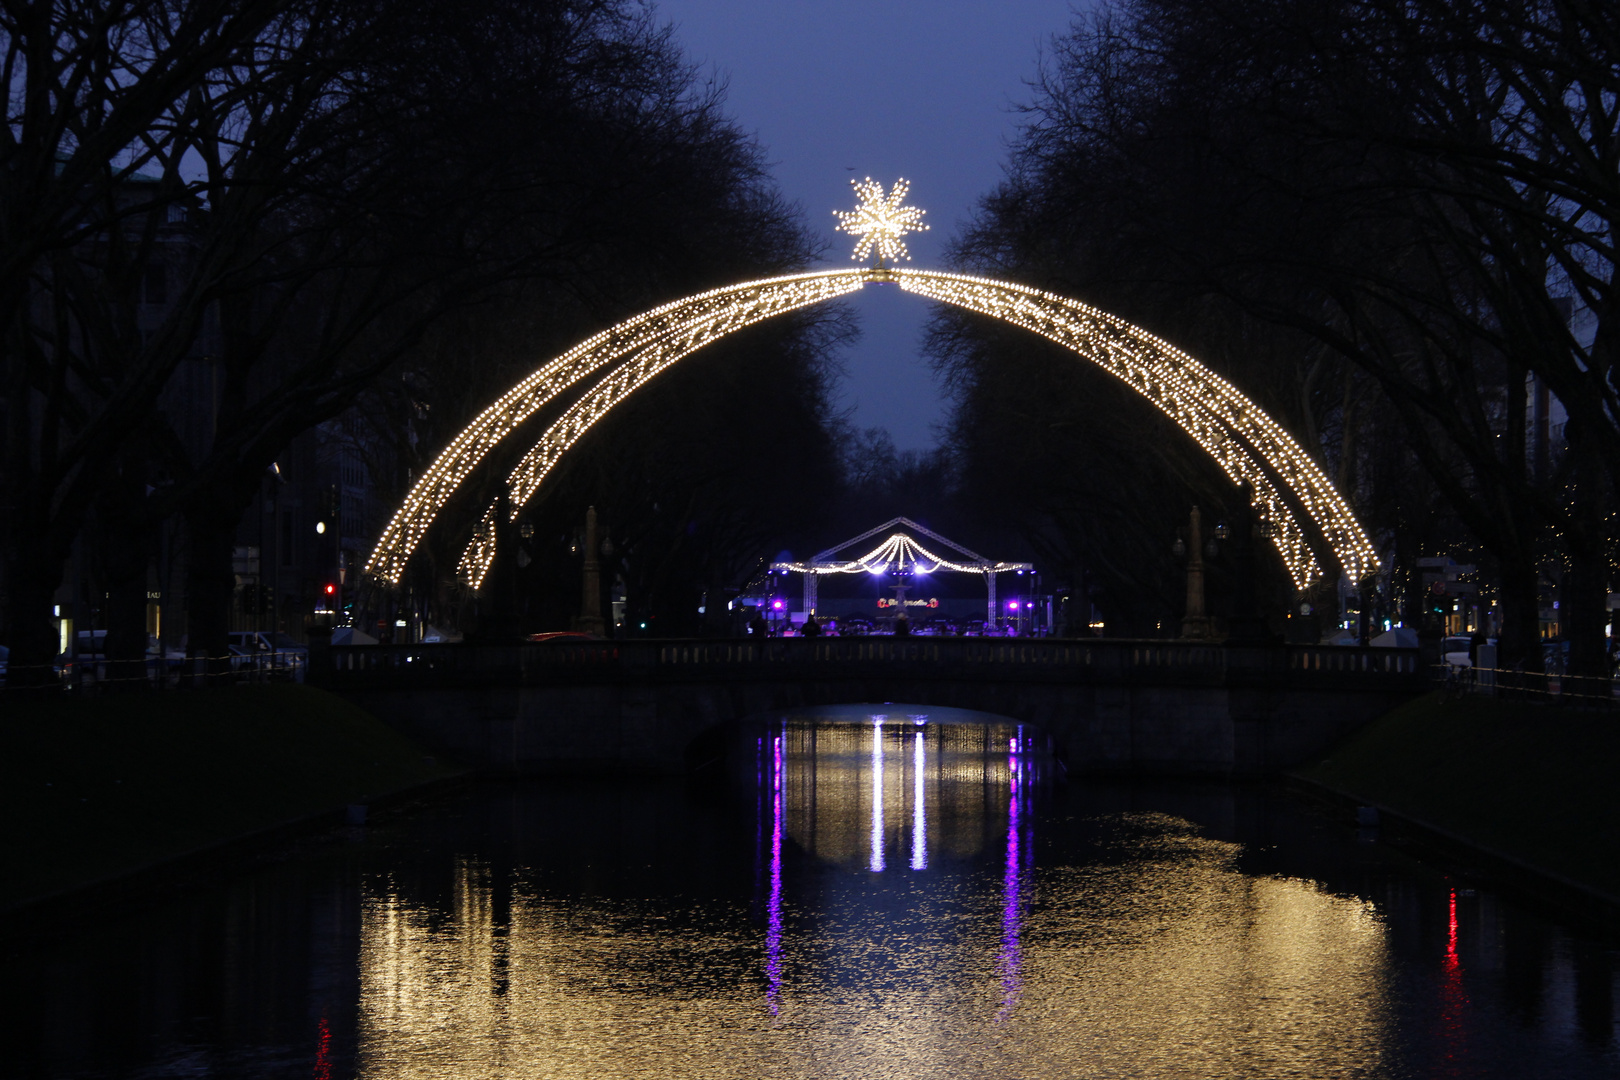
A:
(1534, 783)
(94, 788)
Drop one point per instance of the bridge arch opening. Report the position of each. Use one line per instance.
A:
(868, 784)
(1311, 524)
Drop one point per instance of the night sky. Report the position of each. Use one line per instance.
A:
(884, 88)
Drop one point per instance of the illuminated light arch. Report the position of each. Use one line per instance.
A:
(695, 321)
(1248, 445)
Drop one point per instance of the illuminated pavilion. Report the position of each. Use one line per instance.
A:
(899, 553)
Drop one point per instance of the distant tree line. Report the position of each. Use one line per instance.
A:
(223, 222)
(1385, 220)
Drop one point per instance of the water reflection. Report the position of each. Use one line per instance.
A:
(1011, 902)
(882, 897)
(878, 839)
(1157, 957)
(773, 930)
(919, 804)
(855, 786)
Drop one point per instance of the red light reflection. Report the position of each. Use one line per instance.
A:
(323, 1051)
(1453, 1000)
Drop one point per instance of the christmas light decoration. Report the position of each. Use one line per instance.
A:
(732, 308)
(898, 553)
(760, 300)
(879, 220)
(1289, 488)
(1237, 433)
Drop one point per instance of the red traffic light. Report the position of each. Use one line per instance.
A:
(330, 589)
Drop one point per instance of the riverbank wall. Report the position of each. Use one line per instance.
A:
(1520, 788)
(95, 791)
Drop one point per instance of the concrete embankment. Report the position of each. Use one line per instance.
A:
(94, 790)
(1529, 788)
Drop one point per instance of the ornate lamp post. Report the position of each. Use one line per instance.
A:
(1196, 625)
(590, 607)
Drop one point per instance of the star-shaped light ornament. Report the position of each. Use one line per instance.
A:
(880, 220)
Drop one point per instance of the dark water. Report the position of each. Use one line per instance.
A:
(864, 899)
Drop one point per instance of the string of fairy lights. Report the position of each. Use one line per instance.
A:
(898, 552)
(1229, 426)
(769, 299)
(438, 484)
(1247, 444)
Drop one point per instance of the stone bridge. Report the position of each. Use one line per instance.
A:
(1109, 705)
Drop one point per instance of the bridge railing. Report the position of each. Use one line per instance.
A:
(1346, 658)
(1048, 659)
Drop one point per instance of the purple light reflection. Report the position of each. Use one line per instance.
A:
(877, 862)
(1009, 960)
(773, 928)
(919, 813)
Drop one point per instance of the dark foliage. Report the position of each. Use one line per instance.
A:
(1364, 215)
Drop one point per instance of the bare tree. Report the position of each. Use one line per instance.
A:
(106, 101)
(1363, 180)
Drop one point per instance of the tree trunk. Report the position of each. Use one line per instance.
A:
(210, 586)
(126, 620)
(32, 577)
(1583, 599)
(122, 558)
(1583, 602)
(1519, 643)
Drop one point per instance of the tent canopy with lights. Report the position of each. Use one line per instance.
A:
(898, 553)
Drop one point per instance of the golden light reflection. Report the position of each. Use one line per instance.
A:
(838, 792)
(1156, 958)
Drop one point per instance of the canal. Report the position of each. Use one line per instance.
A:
(876, 892)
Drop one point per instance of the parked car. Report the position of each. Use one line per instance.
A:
(173, 657)
(1458, 650)
(1454, 651)
(269, 650)
(89, 658)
